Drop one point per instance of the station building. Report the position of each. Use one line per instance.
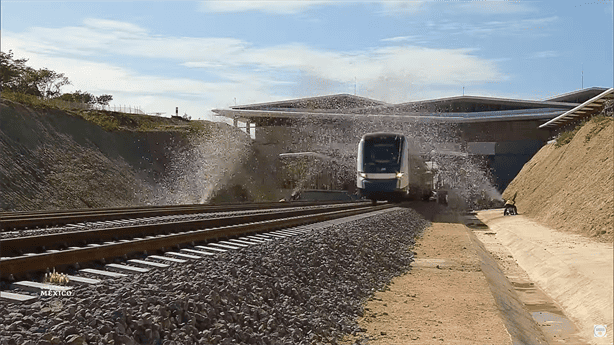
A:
(504, 132)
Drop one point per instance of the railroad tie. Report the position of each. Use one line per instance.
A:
(198, 252)
(148, 263)
(166, 258)
(83, 280)
(127, 268)
(38, 287)
(223, 246)
(102, 273)
(235, 244)
(184, 256)
(213, 249)
(244, 241)
(12, 297)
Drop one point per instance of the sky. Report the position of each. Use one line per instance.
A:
(202, 55)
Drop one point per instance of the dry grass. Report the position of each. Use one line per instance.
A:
(111, 120)
(601, 121)
(56, 278)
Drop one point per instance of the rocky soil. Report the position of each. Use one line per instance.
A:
(51, 159)
(571, 187)
(302, 290)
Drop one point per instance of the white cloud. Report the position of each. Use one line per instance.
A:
(270, 6)
(545, 54)
(495, 7)
(430, 32)
(152, 93)
(252, 74)
(395, 7)
(489, 7)
(225, 55)
(400, 39)
(421, 65)
(102, 37)
(115, 26)
(388, 7)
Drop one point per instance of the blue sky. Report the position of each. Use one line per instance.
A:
(200, 55)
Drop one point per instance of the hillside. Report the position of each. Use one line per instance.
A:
(571, 187)
(56, 159)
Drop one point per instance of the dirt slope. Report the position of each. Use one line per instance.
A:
(571, 187)
(51, 159)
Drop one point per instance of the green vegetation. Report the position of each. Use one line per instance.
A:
(601, 121)
(18, 77)
(41, 89)
(110, 120)
(41, 83)
(565, 138)
(85, 98)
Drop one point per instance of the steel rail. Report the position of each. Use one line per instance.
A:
(26, 214)
(18, 245)
(18, 220)
(43, 261)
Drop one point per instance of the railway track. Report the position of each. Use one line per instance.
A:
(77, 251)
(10, 221)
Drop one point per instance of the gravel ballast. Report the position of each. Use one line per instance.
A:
(306, 289)
(99, 225)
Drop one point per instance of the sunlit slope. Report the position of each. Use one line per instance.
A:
(54, 159)
(571, 187)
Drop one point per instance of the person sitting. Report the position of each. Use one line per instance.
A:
(510, 208)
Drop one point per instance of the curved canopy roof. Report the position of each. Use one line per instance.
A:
(556, 111)
(586, 109)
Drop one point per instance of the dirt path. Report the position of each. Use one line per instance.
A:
(444, 299)
(574, 271)
(511, 282)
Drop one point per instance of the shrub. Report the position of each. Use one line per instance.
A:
(565, 138)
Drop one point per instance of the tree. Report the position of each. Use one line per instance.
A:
(79, 97)
(104, 99)
(49, 82)
(10, 69)
(26, 82)
(18, 77)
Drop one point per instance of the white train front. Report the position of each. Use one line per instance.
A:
(389, 167)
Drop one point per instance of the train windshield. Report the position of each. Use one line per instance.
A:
(382, 155)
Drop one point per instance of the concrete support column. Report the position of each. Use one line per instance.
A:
(235, 122)
(247, 127)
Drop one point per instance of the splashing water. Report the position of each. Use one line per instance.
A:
(210, 162)
(198, 170)
(465, 177)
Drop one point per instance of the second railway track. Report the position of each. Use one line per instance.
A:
(31, 254)
(40, 219)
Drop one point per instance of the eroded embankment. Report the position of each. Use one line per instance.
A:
(571, 187)
(51, 159)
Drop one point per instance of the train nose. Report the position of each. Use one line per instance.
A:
(389, 185)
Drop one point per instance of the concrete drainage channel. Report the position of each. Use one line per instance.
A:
(531, 316)
(29, 291)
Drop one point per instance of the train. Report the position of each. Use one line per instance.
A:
(390, 167)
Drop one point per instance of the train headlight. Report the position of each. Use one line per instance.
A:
(399, 174)
(363, 175)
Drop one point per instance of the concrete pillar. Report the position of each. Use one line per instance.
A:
(247, 127)
(235, 122)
